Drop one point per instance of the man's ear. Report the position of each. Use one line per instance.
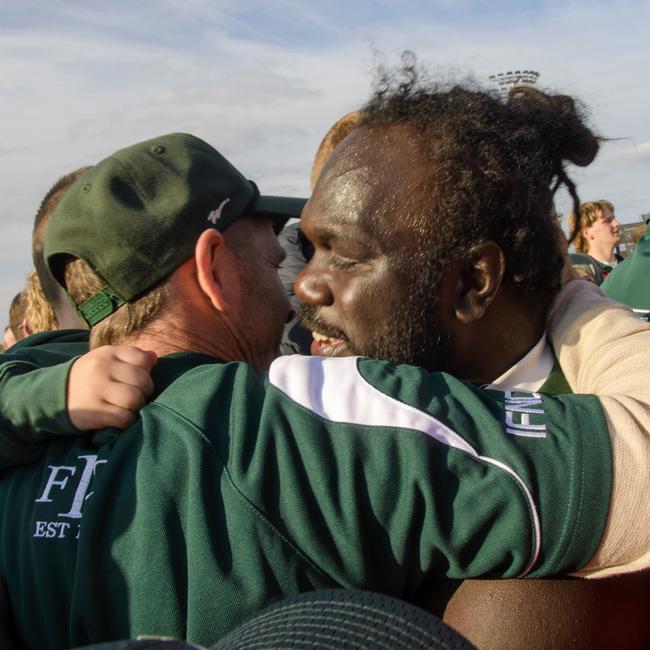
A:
(209, 256)
(478, 282)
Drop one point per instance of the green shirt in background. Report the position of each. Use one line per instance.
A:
(629, 282)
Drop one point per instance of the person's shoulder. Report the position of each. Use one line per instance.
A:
(205, 375)
(48, 348)
(586, 267)
(54, 338)
(207, 392)
(368, 392)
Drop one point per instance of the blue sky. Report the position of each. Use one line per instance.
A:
(262, 81)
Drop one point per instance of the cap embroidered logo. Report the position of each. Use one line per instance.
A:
(215, 215)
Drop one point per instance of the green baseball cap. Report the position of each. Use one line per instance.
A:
(136, 216)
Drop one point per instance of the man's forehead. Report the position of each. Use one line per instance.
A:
(372, 164)
(365, 192)
(376, 146)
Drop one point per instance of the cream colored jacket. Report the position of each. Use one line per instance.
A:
(604, 349)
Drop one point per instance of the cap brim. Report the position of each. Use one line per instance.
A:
(278, 209)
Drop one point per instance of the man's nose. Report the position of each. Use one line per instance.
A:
(312, 288)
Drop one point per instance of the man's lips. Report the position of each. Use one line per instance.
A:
(327, 346)
(329, 341)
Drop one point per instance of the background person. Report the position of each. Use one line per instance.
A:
(629, 282)
(296, 339)
(64, 316)
(9, 339)
(595, 232)
(39, 314)
(16, 329)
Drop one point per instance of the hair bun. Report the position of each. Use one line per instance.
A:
(560, 123)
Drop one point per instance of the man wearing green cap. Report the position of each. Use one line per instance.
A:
(194, 181)
(231, 491)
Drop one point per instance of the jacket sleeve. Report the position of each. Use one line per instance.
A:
(386, 477)
(32, 405)
(604, 349)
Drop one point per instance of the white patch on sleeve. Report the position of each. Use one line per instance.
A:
(334, 390)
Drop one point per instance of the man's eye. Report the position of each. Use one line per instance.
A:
(341, 263)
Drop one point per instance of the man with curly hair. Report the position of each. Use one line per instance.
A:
(435, 244)
(437, 188)
(323, 475)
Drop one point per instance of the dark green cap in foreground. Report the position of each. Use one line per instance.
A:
(135, 217)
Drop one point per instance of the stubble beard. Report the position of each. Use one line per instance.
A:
(411, 334)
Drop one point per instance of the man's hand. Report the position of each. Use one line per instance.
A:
(108, 386)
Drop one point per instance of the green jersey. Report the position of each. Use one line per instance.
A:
(234, 489)
(629, 282)
(33, 401)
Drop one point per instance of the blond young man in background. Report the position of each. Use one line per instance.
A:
(598, 233)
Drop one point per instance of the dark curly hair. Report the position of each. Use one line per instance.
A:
(496, 165)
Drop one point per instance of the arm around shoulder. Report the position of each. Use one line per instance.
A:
(604, 349)
(32, 409)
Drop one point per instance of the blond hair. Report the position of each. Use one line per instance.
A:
(588, 215)
(50, 288)
(131, 318)
(338, 131)
(17, 315)
(39, 315)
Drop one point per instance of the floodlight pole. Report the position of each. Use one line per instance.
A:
(504, 81)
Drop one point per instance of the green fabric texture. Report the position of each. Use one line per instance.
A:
(572, 422)
(33, 381)
(629, 282)
(122, 214)
(228, 493)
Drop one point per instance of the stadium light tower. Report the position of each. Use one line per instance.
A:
(504, 81)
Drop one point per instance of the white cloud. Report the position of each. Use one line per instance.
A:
(263, 81)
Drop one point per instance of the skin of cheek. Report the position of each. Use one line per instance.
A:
(272, 307)
(367, 305)
(259, 301)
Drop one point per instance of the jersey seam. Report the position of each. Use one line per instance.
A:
(525, 491)
(479, 459)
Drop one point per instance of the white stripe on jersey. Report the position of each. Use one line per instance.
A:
(335, 390)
